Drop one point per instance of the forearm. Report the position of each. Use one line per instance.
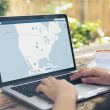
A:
(65, 103)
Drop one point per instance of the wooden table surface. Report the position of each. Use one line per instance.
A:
(83, 57)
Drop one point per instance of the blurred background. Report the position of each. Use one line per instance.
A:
(89, 20)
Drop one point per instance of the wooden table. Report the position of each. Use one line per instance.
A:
(83, 57)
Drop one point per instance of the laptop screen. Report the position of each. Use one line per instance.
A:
(33, 47)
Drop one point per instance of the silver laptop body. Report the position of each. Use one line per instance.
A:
(35, 47)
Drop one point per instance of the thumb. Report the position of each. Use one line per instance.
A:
(91, 80)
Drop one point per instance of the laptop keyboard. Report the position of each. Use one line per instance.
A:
(29, 89)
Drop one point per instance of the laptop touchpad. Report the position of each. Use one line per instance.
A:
(86, 90)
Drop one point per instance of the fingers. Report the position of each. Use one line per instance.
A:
(81, 73)
(91, 80)
(52, 79)
(48, 80)
(42, 88)
(45, 81)
(46, 85)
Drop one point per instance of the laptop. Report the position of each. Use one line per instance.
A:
(33, 48)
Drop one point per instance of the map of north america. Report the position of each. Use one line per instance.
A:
(36, 44)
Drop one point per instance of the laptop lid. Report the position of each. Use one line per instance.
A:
(34, 45)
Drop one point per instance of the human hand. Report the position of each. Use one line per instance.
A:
(94, 75)
(54, 88)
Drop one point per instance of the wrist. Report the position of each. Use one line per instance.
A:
(65, 102)
(65, 96)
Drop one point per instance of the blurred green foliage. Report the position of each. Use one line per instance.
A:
(3, 7)
(84, 34)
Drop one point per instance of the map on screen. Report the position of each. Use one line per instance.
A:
(29, 49)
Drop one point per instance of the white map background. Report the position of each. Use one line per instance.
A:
(36, 44)
(33, 48)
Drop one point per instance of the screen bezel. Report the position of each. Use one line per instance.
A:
(2, 19)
